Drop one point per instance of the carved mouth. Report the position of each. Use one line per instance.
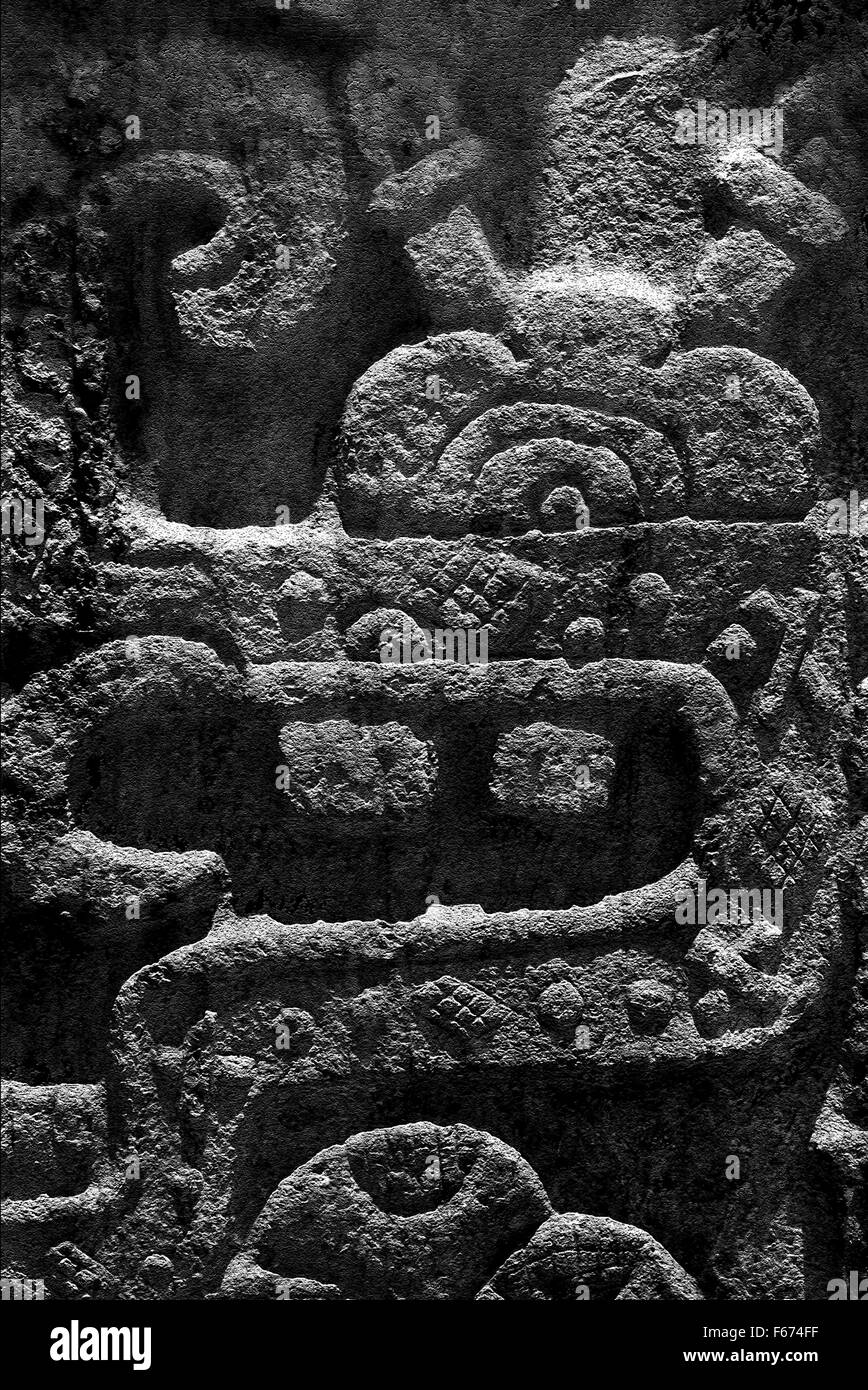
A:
(340, 793)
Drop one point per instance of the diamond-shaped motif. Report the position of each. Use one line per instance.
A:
(790, 834)
(461, 1007)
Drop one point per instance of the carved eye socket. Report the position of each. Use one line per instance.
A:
(543, 770)
(356, 777)
(407, 1171)
(590, 812)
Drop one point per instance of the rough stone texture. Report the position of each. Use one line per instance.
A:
(584, 1257)
(411, 1212)
(329, 978)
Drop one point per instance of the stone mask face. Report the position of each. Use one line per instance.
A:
(416, 325)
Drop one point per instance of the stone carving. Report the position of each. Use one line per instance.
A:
(357, 318)
(587, 1257)
(454, 1004)
(424, 470)
(420, 1211)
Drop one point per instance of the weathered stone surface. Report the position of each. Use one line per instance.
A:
(417, 1211)
(341, 964)
(589, 1257)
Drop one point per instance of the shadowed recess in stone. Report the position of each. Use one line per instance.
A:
(325, 818)
(334, 977)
